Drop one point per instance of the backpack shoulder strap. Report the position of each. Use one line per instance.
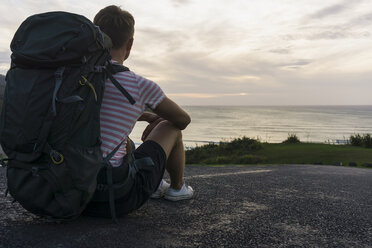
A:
(111, 69)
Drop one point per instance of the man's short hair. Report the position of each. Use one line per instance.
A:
(118, 24)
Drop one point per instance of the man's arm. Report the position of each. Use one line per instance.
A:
(149, 117)
(166, 110)
(171, 111)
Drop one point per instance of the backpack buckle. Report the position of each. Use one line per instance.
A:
(56, 157)
(101, 187)
(2, 162)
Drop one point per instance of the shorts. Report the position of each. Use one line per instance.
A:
(145, 182)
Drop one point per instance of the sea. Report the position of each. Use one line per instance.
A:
(273, 124)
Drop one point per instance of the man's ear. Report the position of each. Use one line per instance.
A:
(128, 47)
(130, 44)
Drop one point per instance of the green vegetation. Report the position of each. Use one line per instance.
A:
(250, 151)
(238, 151)
(292, 139)
(364, 140)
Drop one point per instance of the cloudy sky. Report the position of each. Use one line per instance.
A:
(237, 52)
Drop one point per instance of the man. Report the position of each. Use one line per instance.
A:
(162, 137)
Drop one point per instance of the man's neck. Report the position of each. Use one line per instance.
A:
(117, 56)
(119, 60)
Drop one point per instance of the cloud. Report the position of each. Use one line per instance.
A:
(179, 3)
(361, 21)
(345, 18)
(327, 32)
(216, 52)
(295, 65)
(243, 79)
(333, 9)
(4, 61)
(154, 40)
(335, 35)
(280, 51)
(5, 56)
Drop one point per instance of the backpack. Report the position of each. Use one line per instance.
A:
(50, 119)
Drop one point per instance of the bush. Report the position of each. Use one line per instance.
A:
(224, 153)
(364, 140)
(356, 140)
(367, 141)
(239, 144)
(292, 139)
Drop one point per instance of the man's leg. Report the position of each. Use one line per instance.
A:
(170, 139)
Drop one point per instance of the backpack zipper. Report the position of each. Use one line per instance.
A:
(86, 82)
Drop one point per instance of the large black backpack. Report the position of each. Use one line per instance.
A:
(50, 119)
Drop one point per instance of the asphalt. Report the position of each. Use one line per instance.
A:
(260, 206)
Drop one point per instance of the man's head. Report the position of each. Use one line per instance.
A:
(118, 24)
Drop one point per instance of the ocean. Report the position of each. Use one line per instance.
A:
(325, 124)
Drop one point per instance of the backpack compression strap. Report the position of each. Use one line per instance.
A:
(108, 165)
(135, 165)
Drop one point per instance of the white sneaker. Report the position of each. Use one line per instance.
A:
(186, 192)
(159, 193)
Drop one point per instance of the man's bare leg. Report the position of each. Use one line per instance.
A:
(170, 139)
(176, 165)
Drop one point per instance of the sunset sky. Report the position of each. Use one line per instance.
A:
(237, 52)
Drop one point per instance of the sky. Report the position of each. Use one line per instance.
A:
(237, 52)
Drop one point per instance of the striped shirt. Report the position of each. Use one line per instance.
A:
(118, 116)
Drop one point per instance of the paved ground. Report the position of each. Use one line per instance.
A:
(266, 206)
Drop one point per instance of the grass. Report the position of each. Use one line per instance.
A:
(253, 152)
(308, 153)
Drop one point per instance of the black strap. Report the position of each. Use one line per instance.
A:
(47, 124)
(70, 99)
(59, 77)
(108, 165)
(110, 71)
(134, 166)
(111, 193)
(40, 145)
(111, 154)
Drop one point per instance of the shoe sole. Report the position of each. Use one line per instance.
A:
(178, 198)
(156, 196)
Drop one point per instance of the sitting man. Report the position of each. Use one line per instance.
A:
(162, 139)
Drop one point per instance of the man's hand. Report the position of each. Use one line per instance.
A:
(149, 117)
(170, 111)
(153, 121)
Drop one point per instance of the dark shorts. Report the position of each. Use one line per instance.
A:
(145, 183)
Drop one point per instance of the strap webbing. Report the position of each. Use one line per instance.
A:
(111, 154)
(111, 193)
(47, 124)
(70, 99)
(59, 77)
(110, 71)
(108, 165)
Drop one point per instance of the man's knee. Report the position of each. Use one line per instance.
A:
(166, 135)
(167, 126)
